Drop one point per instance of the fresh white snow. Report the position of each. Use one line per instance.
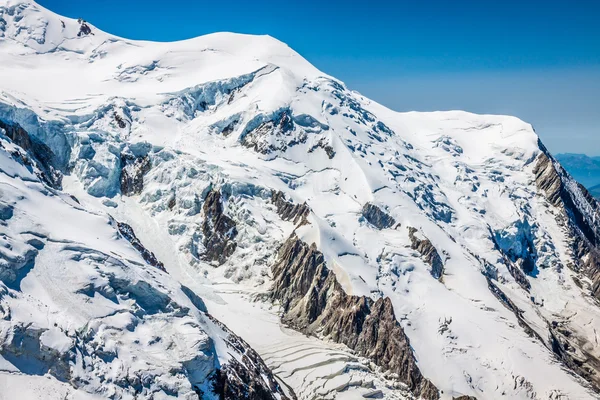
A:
(190, 106)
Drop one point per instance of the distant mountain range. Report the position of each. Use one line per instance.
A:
(584, 169)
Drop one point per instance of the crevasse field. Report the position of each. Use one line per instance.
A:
(483, 245)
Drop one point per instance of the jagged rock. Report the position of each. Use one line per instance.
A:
(428, 251)
(550, 178)
(84, 28)
(465, 398)
(219, 230)
(325, 146)
(41, 154)
(271, 135)
(287, 210)
(314, 302)
(132, 173)
(246, 379)
(376, 217)
(120, 121)
(128, 233)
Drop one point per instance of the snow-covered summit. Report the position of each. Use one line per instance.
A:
(428, 255)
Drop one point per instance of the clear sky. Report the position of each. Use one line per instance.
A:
(538, 60)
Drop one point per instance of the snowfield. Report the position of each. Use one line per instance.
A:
(486, 250)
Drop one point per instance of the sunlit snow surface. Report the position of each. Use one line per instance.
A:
(454, 176)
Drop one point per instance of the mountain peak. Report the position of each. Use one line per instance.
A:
(216, 218)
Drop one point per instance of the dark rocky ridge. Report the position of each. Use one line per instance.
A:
(84, 28)
(583, 227)
(248, 379)
(133, 170)
(313, 302)
(41, 154)
(376, 217)
(325, 146)
(580, 217)
(219, 230)
(429, 253)
(127, 232)
(287, 210)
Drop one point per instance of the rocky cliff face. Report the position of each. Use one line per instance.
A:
(148, 256)
(287, 210)
(428, 251)
(133, 170)
(313, 302)
(376, 217)
(218, 229)
(584, 229)
(246, 377)
(583, 226)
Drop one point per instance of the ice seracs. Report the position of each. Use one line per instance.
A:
(425, 254)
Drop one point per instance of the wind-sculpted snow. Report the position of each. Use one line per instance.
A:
(214, 151)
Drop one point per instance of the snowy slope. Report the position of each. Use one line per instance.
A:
(81, 309)
(484, 247)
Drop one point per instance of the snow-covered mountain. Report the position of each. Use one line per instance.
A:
(216, 218)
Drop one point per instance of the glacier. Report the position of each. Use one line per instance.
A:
(217, 218)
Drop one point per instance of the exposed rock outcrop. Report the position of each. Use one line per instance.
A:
(84, 28)
(132, 173)
(246, 377)
(120, 121)
(127, 232)
(41, 154)
(270, 135)
(376, 217)
(219, 230)
(571, 199)
(323, 144)
(314, 302)
(428, 251)
(287, 210)
(580, 217)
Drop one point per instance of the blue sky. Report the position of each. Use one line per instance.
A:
(538, 60)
